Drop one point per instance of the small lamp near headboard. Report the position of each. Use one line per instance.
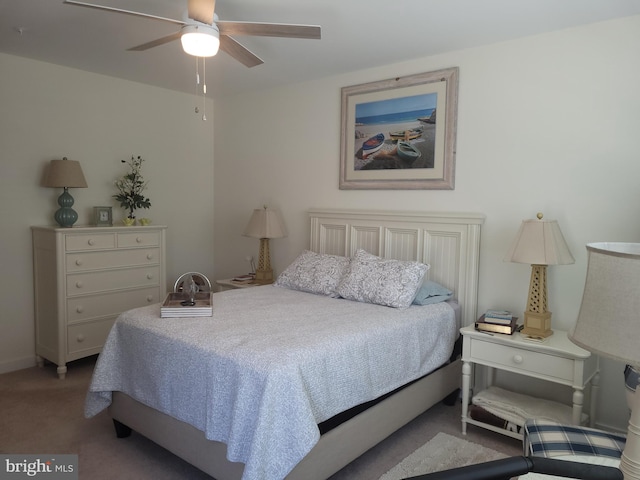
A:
(264, 224)
(539, 243)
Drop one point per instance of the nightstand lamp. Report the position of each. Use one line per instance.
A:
(65, 174)
(265, 224)
(609, 325)
(539, 243)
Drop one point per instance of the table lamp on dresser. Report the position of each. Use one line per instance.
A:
(65, 174)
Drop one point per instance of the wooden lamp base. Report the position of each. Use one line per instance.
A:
(537, 319)
(264, 272)
(537, 324)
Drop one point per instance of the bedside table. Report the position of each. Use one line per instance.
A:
(229, 284)
(556, 360)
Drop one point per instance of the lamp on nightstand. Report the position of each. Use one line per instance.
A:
(264, 224)
(608, 324)
(539, 243)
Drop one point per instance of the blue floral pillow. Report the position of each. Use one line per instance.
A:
(372, 279)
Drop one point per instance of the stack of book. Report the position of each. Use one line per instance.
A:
(248, 278)
(497, 321)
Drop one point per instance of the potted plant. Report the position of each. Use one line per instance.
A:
(130, 188)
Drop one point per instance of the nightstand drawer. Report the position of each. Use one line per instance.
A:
(520, 360)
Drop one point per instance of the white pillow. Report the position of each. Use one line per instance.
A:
(312, 272)
(372, 279)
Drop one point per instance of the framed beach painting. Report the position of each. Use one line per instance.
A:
(400, 133)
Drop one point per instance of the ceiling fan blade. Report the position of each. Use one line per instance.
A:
(155, 43)
(269, 29)
(239, 52)
(119, 10)
(201, 10)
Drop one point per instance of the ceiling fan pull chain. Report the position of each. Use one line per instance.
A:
(197, 110)
(204, 90)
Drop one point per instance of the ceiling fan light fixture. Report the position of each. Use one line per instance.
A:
(200, 40)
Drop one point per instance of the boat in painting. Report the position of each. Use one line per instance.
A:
(407, 151)
(409, 134)
(372, 145)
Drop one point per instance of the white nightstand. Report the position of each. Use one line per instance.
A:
(229, 284)
(556, 360)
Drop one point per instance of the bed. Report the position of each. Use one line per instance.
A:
(305, 426)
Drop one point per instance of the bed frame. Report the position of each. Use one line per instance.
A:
(449, 242)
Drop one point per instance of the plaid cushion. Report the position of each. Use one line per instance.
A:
(549, 439)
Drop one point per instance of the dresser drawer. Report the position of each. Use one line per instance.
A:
(85, 338)
(103, 281)
(81, 262)
(109, 304)
(138, 239)
(89, 241)
(521, 360)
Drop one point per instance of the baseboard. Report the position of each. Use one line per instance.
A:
(17, 364)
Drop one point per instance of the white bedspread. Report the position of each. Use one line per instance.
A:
(268, 366)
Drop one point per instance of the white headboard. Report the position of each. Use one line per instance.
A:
(449, 242)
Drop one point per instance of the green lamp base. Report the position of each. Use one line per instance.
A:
(66, 216)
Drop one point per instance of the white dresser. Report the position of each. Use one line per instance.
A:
(84, 277)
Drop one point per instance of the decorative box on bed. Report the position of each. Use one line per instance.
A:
(274, 367)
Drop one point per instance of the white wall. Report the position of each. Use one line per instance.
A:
(47, 112)
(546, 123)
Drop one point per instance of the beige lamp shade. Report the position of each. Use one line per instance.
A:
(265, 223)
(65, 174)
(609, 325)
(540, 242)
(609, 320)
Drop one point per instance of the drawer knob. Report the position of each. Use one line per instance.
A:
(79, 309)
(80, 338)
(79, 284)
(149, 276)
(518, 359)
(150, 298)
(149, 256)
(79, 262)
(139, 239)
(91, 242)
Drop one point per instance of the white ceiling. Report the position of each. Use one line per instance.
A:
(356, 34)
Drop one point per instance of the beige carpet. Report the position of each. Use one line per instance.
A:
(41, 414)
(441, 453)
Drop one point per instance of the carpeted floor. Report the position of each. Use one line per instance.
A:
(442, 452)
(40, 414)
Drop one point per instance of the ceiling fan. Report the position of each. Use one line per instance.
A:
(202, 34)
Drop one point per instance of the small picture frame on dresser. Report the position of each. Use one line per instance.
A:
(102, 216)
